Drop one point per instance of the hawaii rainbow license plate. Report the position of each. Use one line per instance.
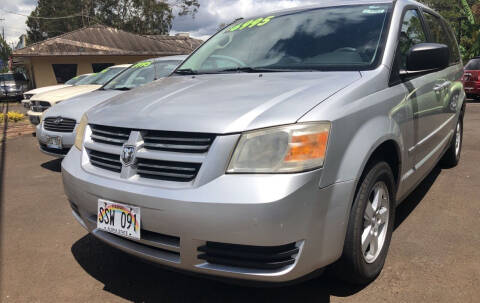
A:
(119, 219)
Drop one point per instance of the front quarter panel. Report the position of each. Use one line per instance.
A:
(363, 117)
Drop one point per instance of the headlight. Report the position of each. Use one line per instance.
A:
(284, 149)
(81, 132)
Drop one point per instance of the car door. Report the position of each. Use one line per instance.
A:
(426, 94)
(419, 92)
(436, 117)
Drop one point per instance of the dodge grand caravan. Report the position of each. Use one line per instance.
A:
(280, 147)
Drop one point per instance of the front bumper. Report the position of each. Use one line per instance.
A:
(26, 103)
(67, 139)
(11, 94)
(34, 117)
(253, 210)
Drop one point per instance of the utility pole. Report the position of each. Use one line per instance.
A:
(3, 29)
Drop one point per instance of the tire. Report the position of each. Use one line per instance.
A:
(361, 263)
(454, 152)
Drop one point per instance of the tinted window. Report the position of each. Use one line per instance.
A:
(7, 77)
(102, 77)
(442, 36)
(331, 38)
(64, 72)
(142, 73)
(473, 64)
(74, 81)
(98, 67)
(412, 33)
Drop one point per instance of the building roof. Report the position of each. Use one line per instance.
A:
(99, 40)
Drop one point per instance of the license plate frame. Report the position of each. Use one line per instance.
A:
(126, 219)
(54, 142)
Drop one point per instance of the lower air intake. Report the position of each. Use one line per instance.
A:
(253, 257)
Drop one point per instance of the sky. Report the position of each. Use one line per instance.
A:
(212, 13)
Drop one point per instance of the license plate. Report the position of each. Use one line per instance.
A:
(119, 219)
(54, 142)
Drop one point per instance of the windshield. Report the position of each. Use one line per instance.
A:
(474, 64)
(332, 38)
(102, 77)
(76, 79)
(142, 73)
(7, 77)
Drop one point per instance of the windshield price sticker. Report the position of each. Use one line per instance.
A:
(142, 64)
(251, 24)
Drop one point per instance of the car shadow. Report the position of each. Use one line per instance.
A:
(413, 200)
(54, 165)
(135, 280)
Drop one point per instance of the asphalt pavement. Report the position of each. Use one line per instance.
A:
(47, 257)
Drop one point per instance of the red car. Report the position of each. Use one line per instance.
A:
(471, 78)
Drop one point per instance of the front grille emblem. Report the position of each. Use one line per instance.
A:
(128, 155)
(58, 120)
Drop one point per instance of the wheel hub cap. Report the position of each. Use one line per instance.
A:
(375, 224)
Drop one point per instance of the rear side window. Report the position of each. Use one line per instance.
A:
(442, 36)
(473, 64)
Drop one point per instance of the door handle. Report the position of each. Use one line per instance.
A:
(440, 87)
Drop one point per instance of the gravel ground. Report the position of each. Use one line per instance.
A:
(48, 257)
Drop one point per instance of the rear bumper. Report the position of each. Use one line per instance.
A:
(256, 210)
(472, 88)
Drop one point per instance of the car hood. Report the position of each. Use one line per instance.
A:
(221, 103)
(74, 108)
(46, 89)
(64, 93)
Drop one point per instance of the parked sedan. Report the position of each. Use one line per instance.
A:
(56, 134)
(41, 102)
(28, 95)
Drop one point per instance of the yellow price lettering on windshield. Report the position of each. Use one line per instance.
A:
(142, 64)
(104, 71)
(251, 24)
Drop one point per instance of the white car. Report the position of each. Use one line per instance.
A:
(41, 102)
(28, 95)
(56, 133)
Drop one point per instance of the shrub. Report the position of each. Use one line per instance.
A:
(12, 116)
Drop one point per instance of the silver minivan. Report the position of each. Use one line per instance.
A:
(280, 147)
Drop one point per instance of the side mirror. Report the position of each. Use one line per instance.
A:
(426, 57)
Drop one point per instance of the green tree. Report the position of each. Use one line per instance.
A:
(5, 53)
(150, 17)
(466, 33)
(55, 17)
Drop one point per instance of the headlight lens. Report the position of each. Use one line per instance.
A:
(284, 149)
(81, 132)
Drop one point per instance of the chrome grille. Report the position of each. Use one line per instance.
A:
(39, 106)
(110, 135)
(150, 162)
(178, 141)
(166, 170)
(59, 124)
(106, 161)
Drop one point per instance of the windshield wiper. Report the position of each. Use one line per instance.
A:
(122, 88)
(248, 69)
(186, 71)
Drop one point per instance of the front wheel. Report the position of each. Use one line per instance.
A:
(370, 227)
